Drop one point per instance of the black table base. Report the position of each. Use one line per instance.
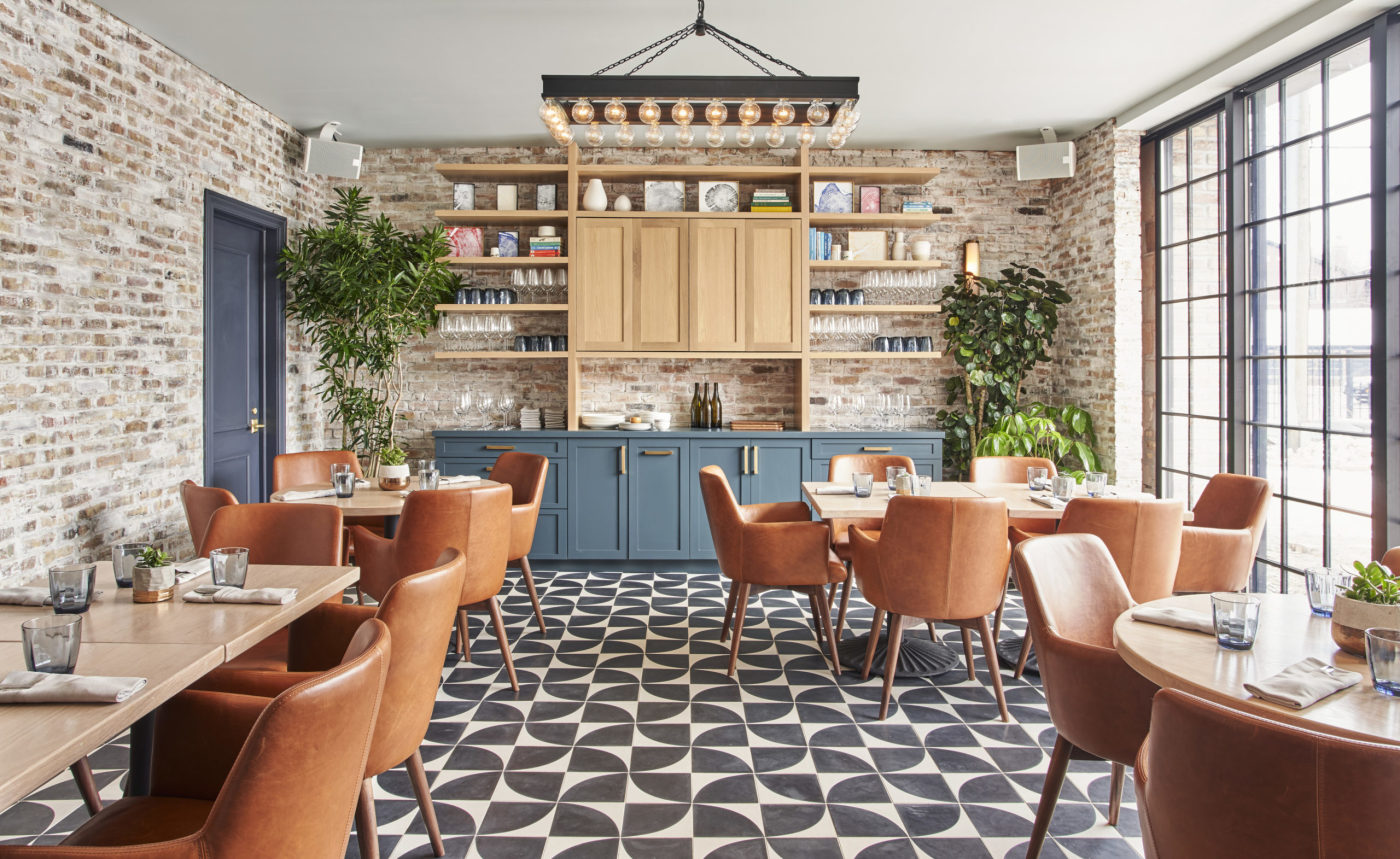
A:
(919, 656)
(1009, 651)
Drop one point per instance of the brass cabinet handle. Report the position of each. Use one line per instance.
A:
(622, 457)
(877, 449)
(746, 459)
(500, 447)
(657, 452)
(755, 459)
(254, 425)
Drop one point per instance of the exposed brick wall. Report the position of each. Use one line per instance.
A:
(110, 141)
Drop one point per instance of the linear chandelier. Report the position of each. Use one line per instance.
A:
(767, 103)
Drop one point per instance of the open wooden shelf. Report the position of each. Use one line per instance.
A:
(718, 172)
(848, 356)
(506, 173)
(875, 175)
(496, 217)
(501, 308)
(506, 262)
(869, 308)
(865, 220)
(738, 356)
(875, 264)
(612, 214)
(526, 356)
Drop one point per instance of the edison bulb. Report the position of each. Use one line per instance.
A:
(594, 135)
(750, 112)
(783, 112)
(656, 135)
(564, 135)
(682, 113)
(649, 111)
(615, 111)
(715, 136)
(583, 111)
(807, 134)
(835, 139)
(716, 112)
(817, 112)
(625, 134)
(744, 135)
(777, 135)
(547, 108)
(685, 135)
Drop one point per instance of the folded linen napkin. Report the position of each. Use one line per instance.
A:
(449, 479)
(24, 596)
(263, 596)
(1181, 618)
(361, 482)
(836, 490)
(193, 569)
(1303, 683)
(305, 494)
(34, 687)
(1049, 501)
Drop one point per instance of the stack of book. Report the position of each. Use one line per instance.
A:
(918, 207)
(546, 246)
(770, 200)
(818, 244)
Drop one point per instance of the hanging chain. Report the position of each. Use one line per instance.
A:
(730, 41)
(769, 57)
(672, 38)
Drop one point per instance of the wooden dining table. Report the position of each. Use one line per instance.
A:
(171, 644)
(368, 500)
(1288, 632)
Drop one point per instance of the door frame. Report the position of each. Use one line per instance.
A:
(273, 324)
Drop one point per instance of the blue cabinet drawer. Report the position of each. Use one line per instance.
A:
(554, 481)
(915, 449)
(493, 446)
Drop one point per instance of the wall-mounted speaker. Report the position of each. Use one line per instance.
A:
(325, 154)
(1045, 161)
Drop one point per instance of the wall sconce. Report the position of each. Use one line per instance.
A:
(972, 258)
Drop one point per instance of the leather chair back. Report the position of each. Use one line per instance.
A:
(1391, 561)
(312, 466)
(1213, 781)
(525, 474)
(287, 795)
(1143, 536)
(1219, 546)
(200, 502)
(279, 533)
(726, 520)
(940, 557)
(1233, 501)
(1073, 593)
(1006, 469)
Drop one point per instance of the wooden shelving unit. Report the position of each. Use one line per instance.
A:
(854, 356)
(875, 264)
(495, 218)
(690, 172)
(504, 173)
(873, 308)
(507, 262)
(525, 356)
(874, 175)
(502, 308)
(864, 220)
(694, 356)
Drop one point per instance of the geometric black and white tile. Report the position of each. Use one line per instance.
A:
(628, 739)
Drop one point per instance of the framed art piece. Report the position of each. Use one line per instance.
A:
(719, 196)
(508, 241)
(867, 244)
(506, 198)
(664, 195)
(544, 198)
(466, 242)
(463, 195)
(831, 197)
(870, 199)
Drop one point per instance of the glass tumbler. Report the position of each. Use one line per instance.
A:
(1096, 484)
(1062, 486)
(71, 587)
(1236, 620)
(51, 643)
(1324, 583)
(124, 557)
(1383, 658)
(343, 480)
(892, 474)
(229, 567)
(428, 477)
(862, 482)
(1038, 478)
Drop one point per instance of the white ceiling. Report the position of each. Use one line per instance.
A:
(935, 74)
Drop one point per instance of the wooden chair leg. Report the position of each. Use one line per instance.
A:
(729, 610)
(500, 626)
(1001, 607)
(967, 650)
(1049, 795)
(1025, 655)
(989, 649)
(87, 785)
(366, 829)
(815, 596)
(741, 606)
(419, 777)
(831, 594)
(822, 616)
(845, 602)
(873, 643)
(463, 647)
(1115, 793)
(891, 661)
(530, 586)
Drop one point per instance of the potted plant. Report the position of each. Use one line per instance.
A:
(1372, 600)
(393, 469)
(153, 577)
(1063, 435)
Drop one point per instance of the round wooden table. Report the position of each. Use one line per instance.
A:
(369, 500)
(1288, 631)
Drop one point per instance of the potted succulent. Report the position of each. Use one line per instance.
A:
(1372, 600)
(393, 468)
(153, 577)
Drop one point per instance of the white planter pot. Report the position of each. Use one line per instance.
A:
(152, 584)
(393, 477)
(1351, 618)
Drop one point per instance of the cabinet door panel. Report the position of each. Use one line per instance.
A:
(716, 284)
(772, 269)
(549, 542)
(603, 283)
(777, 468)
(729, 454)
(597, 491)
(658, 523)
(660, 308)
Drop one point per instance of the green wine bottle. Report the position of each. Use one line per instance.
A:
(695, 414)
(716, 409)
(704, 422)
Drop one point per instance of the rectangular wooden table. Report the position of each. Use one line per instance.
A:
(171, 644)
(1017, 496)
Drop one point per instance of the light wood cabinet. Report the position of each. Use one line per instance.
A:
(632, 284)
(660, 310)
(717, 284)
(773, 290)
(603, 281)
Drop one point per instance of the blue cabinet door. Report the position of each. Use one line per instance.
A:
(658, 517)
(730, 454)
(597, 490)
(777, 469)
(549, 545)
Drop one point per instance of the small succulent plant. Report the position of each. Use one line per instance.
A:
(1374, 584)
(153, 557)
(393, 456)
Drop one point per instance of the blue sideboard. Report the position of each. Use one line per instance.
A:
(631, 500)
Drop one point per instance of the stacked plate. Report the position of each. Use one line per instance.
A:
(530, 419)
(553, 418)
(599, 420)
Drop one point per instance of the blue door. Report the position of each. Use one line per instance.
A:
(597, 489)
(658, 505)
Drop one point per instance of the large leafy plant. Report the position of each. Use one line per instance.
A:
(1374, 584)
(997, 330)
(1064, 435)
(361, 289)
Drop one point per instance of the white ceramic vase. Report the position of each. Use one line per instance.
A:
(623, 203)
(595, 199)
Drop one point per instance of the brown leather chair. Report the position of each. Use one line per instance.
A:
(1012, 469)
(1218, 547)
(200, 502)
(1216, 782)
(938, 559)
(312, 466)
(840, 470)
(766, 546)
(235, 775)
(525, 474)
(419, 610)
(1391, 561)
(1073, 594)
(475, 521)
(276, 533)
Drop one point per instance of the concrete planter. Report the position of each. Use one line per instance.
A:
(152, 584)
(393, 477)
(1351, 618)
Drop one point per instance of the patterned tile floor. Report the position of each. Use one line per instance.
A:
(627, 739)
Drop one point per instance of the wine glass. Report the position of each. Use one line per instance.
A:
(902, 405)
(506, 402)
(881, 406)
(463, 408)
(836, 405)
(507, 331)
(485, 403)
